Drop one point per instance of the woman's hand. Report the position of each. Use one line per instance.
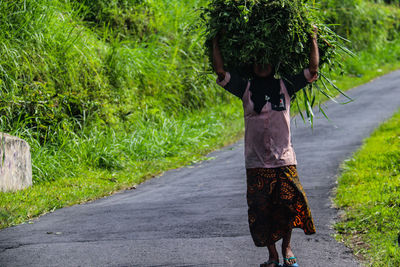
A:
(314, 33)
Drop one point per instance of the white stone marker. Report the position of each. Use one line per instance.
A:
(15, 163)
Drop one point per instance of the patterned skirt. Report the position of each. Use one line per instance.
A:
(277, 203)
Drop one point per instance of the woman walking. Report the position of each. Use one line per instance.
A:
(276, 200)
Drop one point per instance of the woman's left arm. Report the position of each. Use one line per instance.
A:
(314, 54)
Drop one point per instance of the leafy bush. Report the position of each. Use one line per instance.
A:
(126, 19)
(365, 24)
(55, 71)
(63, 73)
(50, 68)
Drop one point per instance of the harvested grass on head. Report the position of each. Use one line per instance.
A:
(273, 32)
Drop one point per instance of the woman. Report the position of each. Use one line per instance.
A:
(275, 197)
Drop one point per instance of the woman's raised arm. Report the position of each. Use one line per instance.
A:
(218, 62)
(314, 54)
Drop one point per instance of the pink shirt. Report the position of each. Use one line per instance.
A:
(267, 135)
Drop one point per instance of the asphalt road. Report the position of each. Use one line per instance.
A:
(197, 215)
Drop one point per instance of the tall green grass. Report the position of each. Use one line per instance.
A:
(366, 24)
(372, 32)
(70, 69)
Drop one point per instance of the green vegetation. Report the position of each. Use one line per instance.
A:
(278, 33)
(145, 152)
(269, 32)
(112, 93)
(373, 30)
(369, 193)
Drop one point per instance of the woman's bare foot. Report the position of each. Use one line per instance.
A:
(273, 259)
(288, 255)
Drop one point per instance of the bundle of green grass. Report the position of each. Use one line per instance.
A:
(273, 32)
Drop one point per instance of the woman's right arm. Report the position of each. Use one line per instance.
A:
(232, 82)
(218, 62)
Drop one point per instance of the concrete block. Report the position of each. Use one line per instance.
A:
(15, 163)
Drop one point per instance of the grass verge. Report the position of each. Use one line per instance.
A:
(369, 195)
